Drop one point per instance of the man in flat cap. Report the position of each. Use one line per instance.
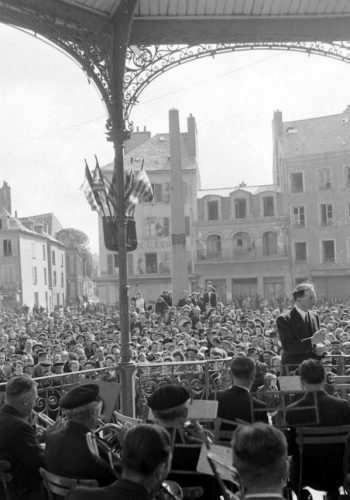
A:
(67, 453)
(299, 329)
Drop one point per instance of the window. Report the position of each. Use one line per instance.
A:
(214, 246)
(7, 248)
(268, 206)
(151, 263)
(324, 179)
(300, 251)
(45, 276)
(44, 252)
(33, 250)
(62, 260)
(299, 216)
(36, 298)
(116, 260)
(240, 208)
(166, 192)
(326, 214)
(54, 278)
(157, 193)
(347, 176)
(328, 251)
(187, 225)
(270, 243)
(242, 245)
(297, 183)
(35, 275)
(62, 280)
(1, 224)
(156, 226)
(53, 257)
(213, 210)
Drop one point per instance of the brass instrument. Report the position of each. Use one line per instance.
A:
(110, 445)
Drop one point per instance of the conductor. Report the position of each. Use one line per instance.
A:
(299, 329)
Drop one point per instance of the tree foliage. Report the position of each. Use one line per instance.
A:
(74, 238)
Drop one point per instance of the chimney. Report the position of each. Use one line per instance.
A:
(192, 137)
(5, 197)
(277, 123)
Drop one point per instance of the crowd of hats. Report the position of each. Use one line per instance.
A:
(86, 338)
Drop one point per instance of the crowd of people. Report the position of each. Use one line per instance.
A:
(198, 328)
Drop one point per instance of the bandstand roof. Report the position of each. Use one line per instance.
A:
(210, 21)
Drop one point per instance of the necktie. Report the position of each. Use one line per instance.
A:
(308, 322)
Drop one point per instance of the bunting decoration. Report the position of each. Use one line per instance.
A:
(102, 196)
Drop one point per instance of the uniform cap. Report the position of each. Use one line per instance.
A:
(168, 396)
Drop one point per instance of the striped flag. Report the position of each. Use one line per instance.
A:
(86, 187)
(142, 188)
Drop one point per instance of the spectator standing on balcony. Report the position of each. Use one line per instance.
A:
(298, 328)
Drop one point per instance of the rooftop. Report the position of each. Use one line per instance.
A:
(225, 192)
(319, 135)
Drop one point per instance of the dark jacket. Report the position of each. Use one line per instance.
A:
(292, 329)
(237, 403)
(18, 445)
(67, 454)
(122, 489)
(322, 465)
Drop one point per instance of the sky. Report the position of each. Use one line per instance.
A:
(51, 118)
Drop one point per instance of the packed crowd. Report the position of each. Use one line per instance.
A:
(198, 328)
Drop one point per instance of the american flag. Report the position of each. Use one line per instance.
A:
(87, 189)
(142, 188)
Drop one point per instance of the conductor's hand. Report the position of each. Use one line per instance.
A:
(319, 336)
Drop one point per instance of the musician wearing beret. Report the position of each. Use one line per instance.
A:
(298, 328)
(67, 453)
(169, 405)
(18, 442)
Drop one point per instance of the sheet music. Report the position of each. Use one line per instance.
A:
(202, 408)
(290, 383)
(223, 454)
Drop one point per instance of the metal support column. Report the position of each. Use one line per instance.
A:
(118, 134)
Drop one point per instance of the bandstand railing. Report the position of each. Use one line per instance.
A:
(203, 379)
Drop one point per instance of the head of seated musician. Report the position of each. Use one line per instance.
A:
(67, 453)
(259, 452)
(169, 405)
(146, 460)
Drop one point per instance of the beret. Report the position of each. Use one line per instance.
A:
(79, 396)
(168, 396)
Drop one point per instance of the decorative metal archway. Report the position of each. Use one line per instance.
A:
(121, 72)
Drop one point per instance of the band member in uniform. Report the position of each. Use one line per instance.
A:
(18, 442)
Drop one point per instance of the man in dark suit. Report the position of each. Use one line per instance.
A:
(322, 466)
(146, 459)
(237, 402)
(298, 328)
(209, 296)
(18, 443)
(67, 453)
